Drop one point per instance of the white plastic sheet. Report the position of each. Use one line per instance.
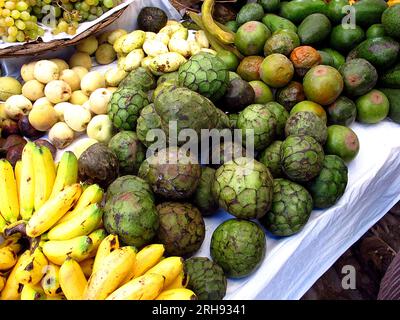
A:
(293, 264)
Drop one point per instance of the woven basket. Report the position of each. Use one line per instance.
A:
(38, 47)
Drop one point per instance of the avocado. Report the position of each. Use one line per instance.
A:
(391, 77)
(382, 52)
(270, 5)
(375, 31)
(369, 12)
(250, 12)
(359, 76)
(338, 58)
(275, 23)
(334, 10)
(249, 68)
(372, 107)
(232, 25)
(238, 96)
(343, 111)
(391, 21)
(344, 40)
(250, 38)
(297, 10)
(315, 28)
(393, 96)
(151, 19)
(229, 58)
(326, 58)
(283, 41)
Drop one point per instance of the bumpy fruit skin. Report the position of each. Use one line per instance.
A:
(128, 183)
(129, 151)
(125, 106)
(148, 120)
(238, 246)
(205, 74)
(203, 198)
(172, 173)
(281, 116)
(182, 228)
(206, 278)
(291, 207)
(301, 158)
(271, 158)
(244, 188)
(327, 188)
(259, 118)
(98, 164)
(189, 109)
(133, 217)
(140, 78)
(307, 123)
(233, 118)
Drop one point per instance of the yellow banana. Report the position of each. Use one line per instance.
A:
(8, 258)
(87, 266)
(12, 289)
(108, 245)
(81, 225)
(72, 280)
(9, 205)
(180, 281)
(90, 195)
(209, 23)
(146, 258)
(8, 252)
(3, 223)
(33, 269)
(113, 269)
(97, 237)
(57, 251)
(17, 172)
(51, 280)
(43, 219)
(32, 292)
(169, 267)
(45, 174)
(177, 294)
(67, 173)
(146, 287)
(27, 184)
(2, 282)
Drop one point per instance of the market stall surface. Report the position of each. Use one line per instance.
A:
(293, 264)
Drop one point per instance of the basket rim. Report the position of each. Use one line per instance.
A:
(37, 47)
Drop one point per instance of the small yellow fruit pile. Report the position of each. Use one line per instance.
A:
(160, 53)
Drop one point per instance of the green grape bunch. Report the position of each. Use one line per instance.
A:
(22, 21)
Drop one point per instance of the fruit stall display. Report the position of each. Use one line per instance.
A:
(86, 215)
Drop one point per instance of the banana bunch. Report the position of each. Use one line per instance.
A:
(56, 248)
(120, 273)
